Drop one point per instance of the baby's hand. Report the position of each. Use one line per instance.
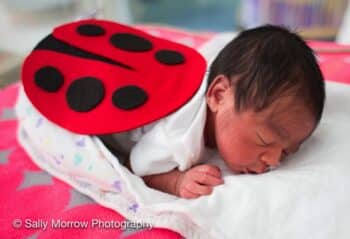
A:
(198, 181)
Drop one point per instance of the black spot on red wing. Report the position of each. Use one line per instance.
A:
(84, 94)
(169, 57)
(129, 97)
(130, 42)
(48, 78)
(90, 30)
(50, 43)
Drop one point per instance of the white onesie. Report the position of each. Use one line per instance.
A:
(175, 141)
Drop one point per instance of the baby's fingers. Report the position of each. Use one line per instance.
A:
(185, 193)
(199, 189)
(207, 179)
(209, 169)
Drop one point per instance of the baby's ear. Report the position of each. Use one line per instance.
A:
(219, 89)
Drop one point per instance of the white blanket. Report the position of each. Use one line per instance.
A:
(308, 196)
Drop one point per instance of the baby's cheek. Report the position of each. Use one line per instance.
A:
(248, 158)
(243, 155)
(235, 147)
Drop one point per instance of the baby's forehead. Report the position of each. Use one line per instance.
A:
(288, 112)
(291, 116)
(287, 106)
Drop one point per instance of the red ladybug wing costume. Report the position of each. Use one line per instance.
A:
(100, 77)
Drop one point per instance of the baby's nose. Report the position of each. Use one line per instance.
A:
(272, 160)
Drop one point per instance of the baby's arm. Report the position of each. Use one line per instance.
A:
(194, 182)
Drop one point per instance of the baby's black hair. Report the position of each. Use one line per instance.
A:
(268, 61)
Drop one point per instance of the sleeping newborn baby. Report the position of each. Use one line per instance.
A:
(262, 98)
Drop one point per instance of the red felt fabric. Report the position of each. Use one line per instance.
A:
(168, 87)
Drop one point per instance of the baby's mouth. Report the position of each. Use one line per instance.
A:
(249, 171)
(266, 169)
(246, 170)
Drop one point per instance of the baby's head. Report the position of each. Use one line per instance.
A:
(265, 98)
